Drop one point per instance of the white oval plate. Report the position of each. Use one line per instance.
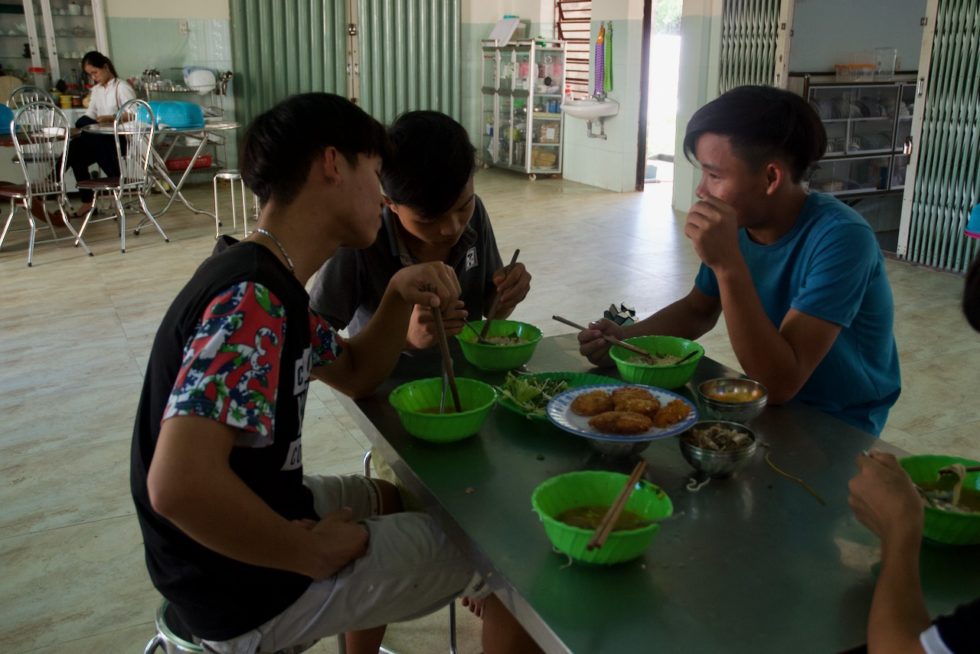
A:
(562, 416)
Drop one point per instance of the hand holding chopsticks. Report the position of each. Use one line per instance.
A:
(609, 339)
(496, 298)
(608, 522)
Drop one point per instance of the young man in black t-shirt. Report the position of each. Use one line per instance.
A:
(885, 500)
(431, 214)
(253, 554)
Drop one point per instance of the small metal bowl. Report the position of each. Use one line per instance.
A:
(733, 399)
(717, 464)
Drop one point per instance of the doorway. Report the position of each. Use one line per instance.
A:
(658, 132)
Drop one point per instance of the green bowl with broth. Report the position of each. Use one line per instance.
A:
(511, 344)
(417, 404)
(633, 369)
(599, 489)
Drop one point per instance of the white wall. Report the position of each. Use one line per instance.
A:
(490, 11)
(168, 8)
(611, 163)
(698, 84)
(821, 38)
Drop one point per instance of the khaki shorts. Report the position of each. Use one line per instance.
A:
(410, 569)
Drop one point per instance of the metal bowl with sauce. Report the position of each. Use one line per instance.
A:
(733, 399)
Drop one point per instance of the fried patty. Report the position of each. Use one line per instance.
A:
(674, 412)
(592, 403)
(648, 408)
(624, 393)
(621, 422)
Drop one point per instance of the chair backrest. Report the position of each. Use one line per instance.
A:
(25, 95)
(40, 133)
(134, 129)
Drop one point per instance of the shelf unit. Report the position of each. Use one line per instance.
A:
(49, 34)
(523, 84)
(18, 40)
(71, 28)
(868, 126)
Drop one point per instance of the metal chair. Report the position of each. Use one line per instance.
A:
(40, 133)
(132, 131)
(27, 94)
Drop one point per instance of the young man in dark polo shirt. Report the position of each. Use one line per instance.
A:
(431, 214)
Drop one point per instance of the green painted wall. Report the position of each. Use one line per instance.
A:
(138, 43)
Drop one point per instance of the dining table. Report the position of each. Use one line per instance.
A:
(166, 139)
(751, 563)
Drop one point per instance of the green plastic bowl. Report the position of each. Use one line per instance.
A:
(945, 527)
(499, 357)
(412, 400)
(598, 488)
(661, 376)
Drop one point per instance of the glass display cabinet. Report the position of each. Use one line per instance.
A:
(868, 126)
(523, 83)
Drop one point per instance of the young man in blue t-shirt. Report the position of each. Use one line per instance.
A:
(799, 276)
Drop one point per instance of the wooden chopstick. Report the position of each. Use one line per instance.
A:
(496, 298)
(609, 520)
(610, 339)
(447, 359)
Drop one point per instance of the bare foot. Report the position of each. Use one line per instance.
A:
(474, 605)
(81, 211)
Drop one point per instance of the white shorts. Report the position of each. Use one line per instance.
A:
(410, 569)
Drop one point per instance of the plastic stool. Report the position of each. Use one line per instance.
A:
(170, 641)
(230, 175)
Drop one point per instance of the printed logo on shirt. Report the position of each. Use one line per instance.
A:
(300, 413)
(301, 376)
(294, 457)
(471, 260)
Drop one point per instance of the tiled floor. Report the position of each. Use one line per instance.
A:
(76, 330)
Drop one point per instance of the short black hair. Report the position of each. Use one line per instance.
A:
(762, 123)
(96, 59)
(971, 294)
(282, 143)
(432, 159)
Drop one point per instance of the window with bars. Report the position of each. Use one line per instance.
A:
(573, 25)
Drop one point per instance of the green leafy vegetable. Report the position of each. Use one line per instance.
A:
(530, 393)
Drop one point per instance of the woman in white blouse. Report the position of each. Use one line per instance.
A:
(107, 95)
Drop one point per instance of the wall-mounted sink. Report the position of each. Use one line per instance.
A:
(590, 108)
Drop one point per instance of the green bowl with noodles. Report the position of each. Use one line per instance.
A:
(511, 344)
(596, 491)
(943, 524)
(667, 349)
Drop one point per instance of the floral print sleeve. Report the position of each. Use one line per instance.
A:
(327, 343)
(230, 368)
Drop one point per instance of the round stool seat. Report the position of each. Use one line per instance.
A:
(175, 638)
(233, 176)
(172, 635)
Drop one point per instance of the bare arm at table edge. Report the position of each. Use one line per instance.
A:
(885, 501)
(369, 357)
(191, 484)
(690, 317)
(780, 359)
